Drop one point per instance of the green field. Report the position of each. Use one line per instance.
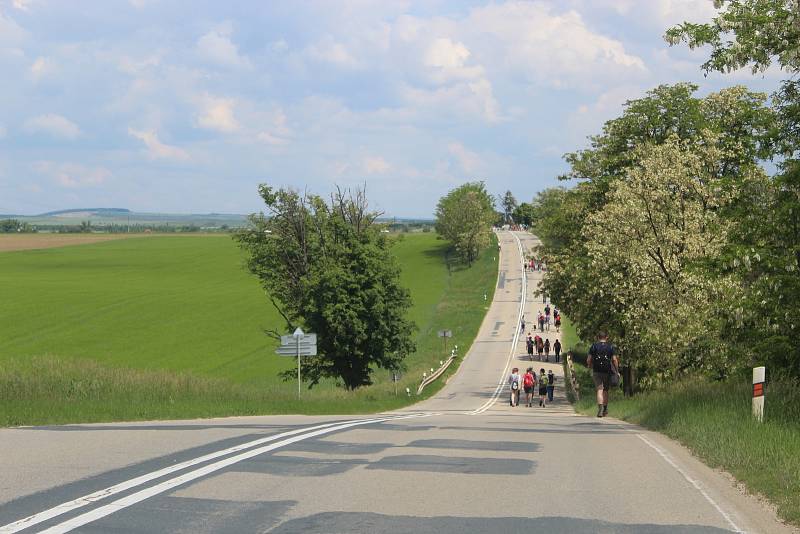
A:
(172, 326)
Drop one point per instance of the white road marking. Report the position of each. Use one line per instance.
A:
(523, 297)
(86, 500)
(691, 481)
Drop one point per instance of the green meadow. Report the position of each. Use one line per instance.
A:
(171, 326)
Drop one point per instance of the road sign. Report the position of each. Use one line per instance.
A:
(445, 333)
(307, 339)
(307, 350)
(298, 344)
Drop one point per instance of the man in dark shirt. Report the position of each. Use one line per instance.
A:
(603, 361)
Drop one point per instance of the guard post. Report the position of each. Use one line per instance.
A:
(759, 376)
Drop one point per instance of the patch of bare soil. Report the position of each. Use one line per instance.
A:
(10, 242)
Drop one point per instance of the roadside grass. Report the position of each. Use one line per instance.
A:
(713, 419)
(171, 327)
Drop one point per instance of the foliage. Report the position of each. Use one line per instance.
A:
(326, 266)
(523, 214)
(8, 226)
(464, 217)
(509, 204)
(762, 30)
(638, 247)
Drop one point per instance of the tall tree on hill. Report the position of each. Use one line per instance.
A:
(464, 217)
(326, 266)
(509, 204)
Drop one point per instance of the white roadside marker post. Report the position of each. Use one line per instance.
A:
(759, 375)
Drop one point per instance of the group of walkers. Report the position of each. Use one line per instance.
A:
(534, 265)
(544, 319)
(542, 347)
(529, 383)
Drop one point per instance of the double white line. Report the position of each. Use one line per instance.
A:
(251, 448)
(522, 296)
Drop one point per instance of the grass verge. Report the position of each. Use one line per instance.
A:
(713, 420)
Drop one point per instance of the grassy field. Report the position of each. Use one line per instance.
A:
(164, 327)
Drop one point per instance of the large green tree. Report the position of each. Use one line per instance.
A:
(326, 267)
(464, 217)
(766, 255)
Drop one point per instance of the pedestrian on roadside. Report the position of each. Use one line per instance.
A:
(551, 385)
(542, 388)
(557, 350)
(540, 348)
(513, 383)
(547, 349)
(603, 361)
(558, 322)
(541, 322)
(529, 383)
(529, 346)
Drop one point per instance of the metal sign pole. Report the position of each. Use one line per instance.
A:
(297, 341)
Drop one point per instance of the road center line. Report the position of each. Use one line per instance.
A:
(691, 481)
(86, 500)
(523, 297)
(124, 502)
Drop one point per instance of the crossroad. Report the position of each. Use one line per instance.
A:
(464, 460)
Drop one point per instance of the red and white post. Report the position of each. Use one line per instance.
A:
(759, 375)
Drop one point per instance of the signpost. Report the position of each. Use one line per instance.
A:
(445, 334)
(298, 344)
(759, 377)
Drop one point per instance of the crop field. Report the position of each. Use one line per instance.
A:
(181, 310)
(11, 242)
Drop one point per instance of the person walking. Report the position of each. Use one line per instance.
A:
(542, 388)
(558, 322)
(604, 362)
(547, 349)
(551, 385)
(540, 348)
(528, 384)
(529, 346)
(514, 384)
(522, 324)
(541, 322)
(557, 349)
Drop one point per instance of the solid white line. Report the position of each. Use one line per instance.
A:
(691, 481)
(86, 500)
(523, 297)
(119, 504)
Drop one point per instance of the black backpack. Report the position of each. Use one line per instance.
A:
(601, 353)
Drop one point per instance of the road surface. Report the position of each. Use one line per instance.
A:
(462, 461)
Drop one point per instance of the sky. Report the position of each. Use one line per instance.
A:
(186, 106)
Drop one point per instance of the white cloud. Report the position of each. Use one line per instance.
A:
(52, 124)
(73, 175)
(157, 149)
(375, 165)
(270, 139)
(40, 67)
(449, 58)
(216, 46)
(475, 99)
(469, 161)
(278, 132)
(22, 5)
(217, 114)
(330, 51)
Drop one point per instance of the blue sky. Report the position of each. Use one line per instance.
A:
(185, 106)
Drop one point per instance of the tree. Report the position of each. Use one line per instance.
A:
(509, 204)
(523, 214)
(464, 217)
(763, 31)
(766, 255)
(326, 267)
(9, 225)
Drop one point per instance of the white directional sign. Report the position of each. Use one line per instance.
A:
(292, 350)
(306, 339)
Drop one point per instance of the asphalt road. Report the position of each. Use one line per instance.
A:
(462, 461)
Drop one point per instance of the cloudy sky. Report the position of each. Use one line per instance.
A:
(185, 106)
